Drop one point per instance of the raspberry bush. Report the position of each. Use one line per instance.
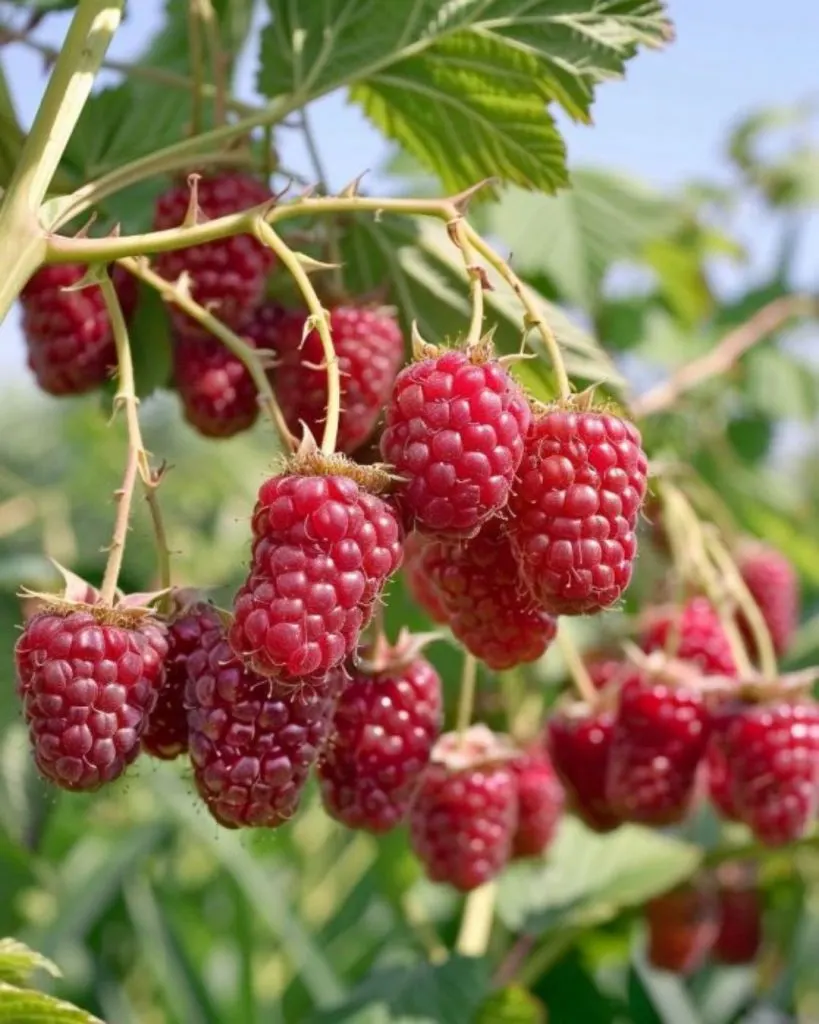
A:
(383, 646)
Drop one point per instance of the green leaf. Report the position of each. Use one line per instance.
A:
(463, 86)
(18, 962)
(447, 993)
(589, 878)
(751, 436)
(150, 335)
(511, 1005)
(656, 997)
(21, 1006)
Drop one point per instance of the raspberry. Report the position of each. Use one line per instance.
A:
(68, 334)
(739, 938)
(487, 608)
(455, 429)
(369, 347)
(465, 813)
(323, 549)
(774, 585)
(88, 687)
(772, 754)
(227, 275)
(682, 927)
(606, 669)
(166, 735)
(540, 803)
(719, 783)
(579, 742)
(383, 731)
(701, 638)
(219, 398)
(574, 507)
(660, 733)
(251, 748)
(420, 587)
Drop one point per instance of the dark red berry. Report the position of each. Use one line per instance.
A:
(251, 748)
(772, 756)
(323, 549)
(739, 938)
(68, 334)
(719, 783)
(227, 276)
(540, 803)
(607, 670)
(774, 585)
(219, 398)
(88, 687)
(698, 634)
(487, 607)
(660, 733)
(682, 927)
(574, 509)
(579, 742)
(465, 812)
(166, 735)
(454, 431)
(369, 348)
(383, 731)
(418, 582)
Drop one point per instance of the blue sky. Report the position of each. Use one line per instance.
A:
(666, 123)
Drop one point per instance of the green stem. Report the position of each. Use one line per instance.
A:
(321, 322)
(466, 697)
(210, 27)
(333, 244)
(197, 65)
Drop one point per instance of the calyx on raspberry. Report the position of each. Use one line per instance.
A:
(465, 813)
(369, 348)
(385, 724)
(324, 545)
(455, 432)
(574, 508)
(88, 675)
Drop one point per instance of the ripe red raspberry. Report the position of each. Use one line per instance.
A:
(227, 275)
(682, 927)
(607, 669)
(719, 783)
(88, 686)
(574, 508)
(68, 334)
(540, 803)
(219, 398)
(487, 608)
(739, 938)
(369, 347)
(774, 585)
(579, 742)
(772, 754)
(455, 429)
(322, 552)
(660, 733)
(418, 583)
(166, 735)
(384, 727)
(251, 748)
(701, 638)
(465, 813)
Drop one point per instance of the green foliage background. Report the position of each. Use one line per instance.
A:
(152, 912)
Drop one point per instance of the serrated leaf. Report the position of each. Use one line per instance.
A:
(22, 1006)
(18, 962)
(589, 878)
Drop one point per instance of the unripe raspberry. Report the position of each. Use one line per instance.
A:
(574, 509)
(700, 637)
(487, 607)
(323, 549)
(540, 803)
(455, 430)
(369, 348)
(465, 813)
(251, 747)
(89, 680)
(226, 275)
(382, 734)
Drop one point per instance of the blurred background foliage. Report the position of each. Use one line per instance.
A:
(154, 914)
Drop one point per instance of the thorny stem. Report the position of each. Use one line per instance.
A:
(746, 602)
(577, 670)
(197, 65)
(207, 17)
(249, 357)
(318, 319)
(466, 696)
(476, 923)
(458, 230)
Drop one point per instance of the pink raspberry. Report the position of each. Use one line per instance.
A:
(455, 429)
(323, 549)
(574, 510)
(88, 687)
(701, 638)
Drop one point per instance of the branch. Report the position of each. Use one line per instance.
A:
(725, 354)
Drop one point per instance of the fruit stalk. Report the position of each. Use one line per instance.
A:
(577, 670)
(333, 247)
(320, 319)
(466, 696)
(476, 923)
